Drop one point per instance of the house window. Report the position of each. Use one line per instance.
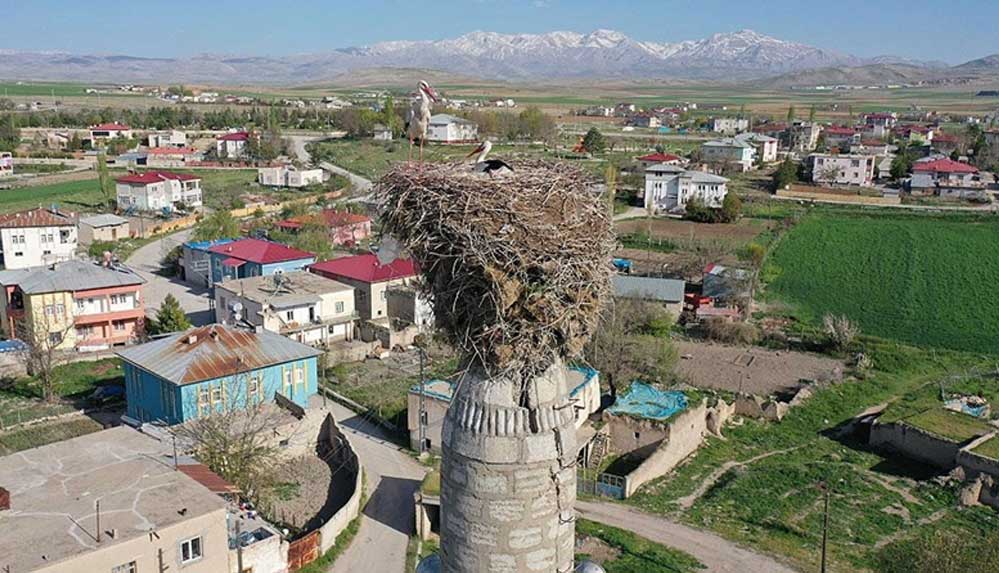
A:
(55, 338)
(190, 550)
(204, 404)
(287, 382)
(129, 567)
(253, 389)
(217, 394)
(300, 377)
(61, 309)
(290, 315)
(119, 325)
(114, 299)
(64, 236)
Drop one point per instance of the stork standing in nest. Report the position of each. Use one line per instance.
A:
(418, 118)
(487, 166)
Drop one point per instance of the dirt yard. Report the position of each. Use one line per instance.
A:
(303, 485)
(750, 369)
(742, 231)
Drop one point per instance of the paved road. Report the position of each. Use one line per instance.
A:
(298, 143)
(146, 262)
(392, 477)
(718, 554)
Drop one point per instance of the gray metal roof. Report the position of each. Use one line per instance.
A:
(728, 142)
(702, 177)
(648, 288)
(214, 351)
(73, 275)
(103, 220)
(755, 137)
(286, 290)
(446, 118)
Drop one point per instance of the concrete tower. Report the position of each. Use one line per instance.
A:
(508, 482)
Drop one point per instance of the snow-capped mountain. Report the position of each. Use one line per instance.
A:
(490, 55)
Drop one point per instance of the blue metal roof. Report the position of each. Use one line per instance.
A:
(205, 245)
(646, 401)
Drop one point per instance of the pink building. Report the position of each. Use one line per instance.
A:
(344, 228)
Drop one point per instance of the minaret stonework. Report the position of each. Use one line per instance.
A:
(508, 482)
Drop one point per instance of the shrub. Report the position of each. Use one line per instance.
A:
(840, 330)
(720, 330)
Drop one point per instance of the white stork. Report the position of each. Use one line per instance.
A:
(487, 166)
(418, 118)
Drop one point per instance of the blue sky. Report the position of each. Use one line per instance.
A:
(949, 30)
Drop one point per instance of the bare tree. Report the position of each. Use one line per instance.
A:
(840, 330)
(44, 334)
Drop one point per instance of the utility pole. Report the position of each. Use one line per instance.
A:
(174, 452)
(825, 522)
(159, 557)
(98, 515)
(239, 547)
(423, 407)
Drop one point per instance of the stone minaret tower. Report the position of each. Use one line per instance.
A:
(508, 484)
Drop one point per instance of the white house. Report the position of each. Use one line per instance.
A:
(446, 128)
(36, 237)
(158, 190)
(105, 131)
(172, 138)
(842, 169)
(304, 307)
(381, 133)
(729, 150)
(945, 177)
(232, 145)
(765, 146)
(670, 187)
(289, 176)
(729, 125)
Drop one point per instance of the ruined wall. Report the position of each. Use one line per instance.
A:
(974, 464)
(636, 436)
(915, 443)
(686, 434)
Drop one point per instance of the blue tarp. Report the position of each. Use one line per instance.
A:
(12, 346)
(646, 401)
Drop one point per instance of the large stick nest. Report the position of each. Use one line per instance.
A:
(517, 266)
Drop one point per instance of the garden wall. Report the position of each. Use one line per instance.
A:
(915, 443)
(342, 456)
(827, 197)
(975, 464)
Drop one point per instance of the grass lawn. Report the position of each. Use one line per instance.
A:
(69, 195)
(948, 424)
(431, 483)
(42, 168)
(989, 449)
(635, 554)
(46, 433)
(773, 503)
(925, 280)
(21, 400)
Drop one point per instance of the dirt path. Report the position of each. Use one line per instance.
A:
(933, 517)
(688, 501)
(718, 554)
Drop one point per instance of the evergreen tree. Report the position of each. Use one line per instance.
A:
(790, 114)
(219, 225)
(169, 318)
(594, 141)
(104, 179)
(786, 174)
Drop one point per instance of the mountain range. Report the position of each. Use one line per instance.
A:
(739, 55)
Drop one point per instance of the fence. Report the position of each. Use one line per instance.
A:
(589, 482)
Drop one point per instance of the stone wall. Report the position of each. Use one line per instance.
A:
(975, 464)
(335, 447)
(635, 436)
(265, 556)
(915, 443)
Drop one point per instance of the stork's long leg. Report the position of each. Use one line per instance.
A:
(421, 150)
(410, 157)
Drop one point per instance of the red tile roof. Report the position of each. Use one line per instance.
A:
(660, 158)
(111, 127)
(365, 268)
(40, 217)
(235, 136)
(943, 166)
(839, 130)
(945, 137)
(147, 177)
(330, 217)
(769, 127)
(259, 251)
(171, 151)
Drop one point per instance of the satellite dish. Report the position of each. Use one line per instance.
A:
(236, 306)
(430, 564)
(388, 250)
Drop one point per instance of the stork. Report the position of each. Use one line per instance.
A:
(418, 118)
(487, 166)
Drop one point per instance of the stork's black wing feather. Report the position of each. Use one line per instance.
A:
(497, 164)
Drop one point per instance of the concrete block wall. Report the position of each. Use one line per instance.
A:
(916, 444)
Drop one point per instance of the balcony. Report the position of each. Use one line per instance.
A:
(293, 327)
(109, 316)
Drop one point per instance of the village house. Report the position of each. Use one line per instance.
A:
(647, 120)
(171, 156)
(946, 143)
(667, 292)
(158, 191)
(196, 260)
(947, 178)
(73, 305)
(231, 145)
(381, 132)
(36, 237)
(289, 176)
(842, 169)
(729, 151)
(254, 257)
(304, 307)
(765, 146)
(914, 133)
(669, 188)
(371, 280)
(657, 158)
(802, 136)
(726, 285)
(106, 131)
(840, 137)
(215, 369)
(152, 517)
(445, 128)
(171, 138)
(880, 124)
(344, 228)
(871, 147)
(729, 125)
(105, 227)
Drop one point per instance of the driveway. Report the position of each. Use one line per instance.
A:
(391, 477)
(146, 262)
(718, 554)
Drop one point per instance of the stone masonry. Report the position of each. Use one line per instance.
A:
(508, 480)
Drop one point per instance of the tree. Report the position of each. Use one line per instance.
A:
(785, 175)
(610, 180)
(43, 333)
(790, 114)
(731, 207)
(218, 225)
(900, 166)
(169, 318)
(840, 330)
(811, 114)
(10, 135)
(594, 141)
(104, 180)
(632, 342)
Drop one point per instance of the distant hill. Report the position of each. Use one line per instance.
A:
(874, 74)
(986, 64)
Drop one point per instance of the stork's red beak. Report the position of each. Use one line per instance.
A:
(431, 93)
(476, 151)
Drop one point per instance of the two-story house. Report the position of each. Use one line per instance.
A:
(73, 305)
(302, 306)
(371, 280)
(344, 228)
(232, 145)
(446, 128)
(842, 169)
(215, 369)
(254, 257)
(765, 146)
(37, 237)
(946, 177)
(670, 188)
(729, 125)
(729, 151)
(158, 190)
(105, 131)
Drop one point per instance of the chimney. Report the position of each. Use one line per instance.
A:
(192, 338)
(4, 499)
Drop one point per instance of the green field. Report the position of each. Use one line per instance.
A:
(69, 195)
(21, 399)
(948, 424)
(635, 554)
(48, 433)
(926, 280)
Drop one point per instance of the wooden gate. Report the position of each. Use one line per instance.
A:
(303, 551)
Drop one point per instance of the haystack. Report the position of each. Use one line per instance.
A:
(517, 267)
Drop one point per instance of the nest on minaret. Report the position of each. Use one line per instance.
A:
(517, 267)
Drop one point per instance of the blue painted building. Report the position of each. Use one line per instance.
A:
(215, 369)
(254, 258)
